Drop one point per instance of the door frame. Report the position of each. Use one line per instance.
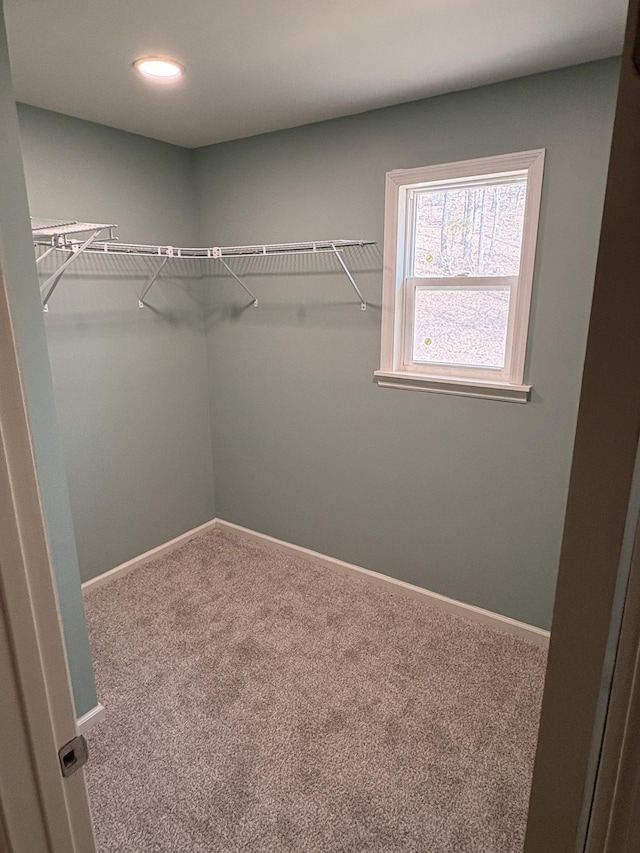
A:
(614, 825)
(597, 562)
(39, 809)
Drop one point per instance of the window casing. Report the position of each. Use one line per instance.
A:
(459, 252)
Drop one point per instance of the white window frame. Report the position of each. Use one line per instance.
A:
(397, 370)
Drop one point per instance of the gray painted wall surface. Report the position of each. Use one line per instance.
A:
(22, 282)
(131, 384)
(462, 496)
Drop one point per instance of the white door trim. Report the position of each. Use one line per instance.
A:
(40, 809)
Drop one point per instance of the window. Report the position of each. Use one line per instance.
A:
(459, 249)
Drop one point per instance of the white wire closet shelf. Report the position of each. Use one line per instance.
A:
(71, 237)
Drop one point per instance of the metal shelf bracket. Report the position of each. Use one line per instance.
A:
(152, 281)
(55, 234)
(52, 282)
(238, 279)
(363, 304)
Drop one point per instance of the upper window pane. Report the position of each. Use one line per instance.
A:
(469, 230)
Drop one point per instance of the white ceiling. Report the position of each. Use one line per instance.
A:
(261, 65)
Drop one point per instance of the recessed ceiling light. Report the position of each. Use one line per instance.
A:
(159, 67)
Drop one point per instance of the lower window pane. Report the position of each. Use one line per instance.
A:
(461, 327)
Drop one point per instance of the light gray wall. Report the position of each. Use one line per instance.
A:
(462, 496)
(22, 281)
(131, 384)
(465, 497)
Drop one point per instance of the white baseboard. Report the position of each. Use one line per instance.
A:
(124, 569)
(90, 719)
(469, 611)
(486, 617)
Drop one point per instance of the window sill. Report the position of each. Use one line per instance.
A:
(459, 387)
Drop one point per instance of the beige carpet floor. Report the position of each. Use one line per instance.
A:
(256, 702)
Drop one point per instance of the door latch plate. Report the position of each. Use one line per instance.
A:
(73, 755)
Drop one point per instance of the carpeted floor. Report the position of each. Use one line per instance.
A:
(256, 702)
